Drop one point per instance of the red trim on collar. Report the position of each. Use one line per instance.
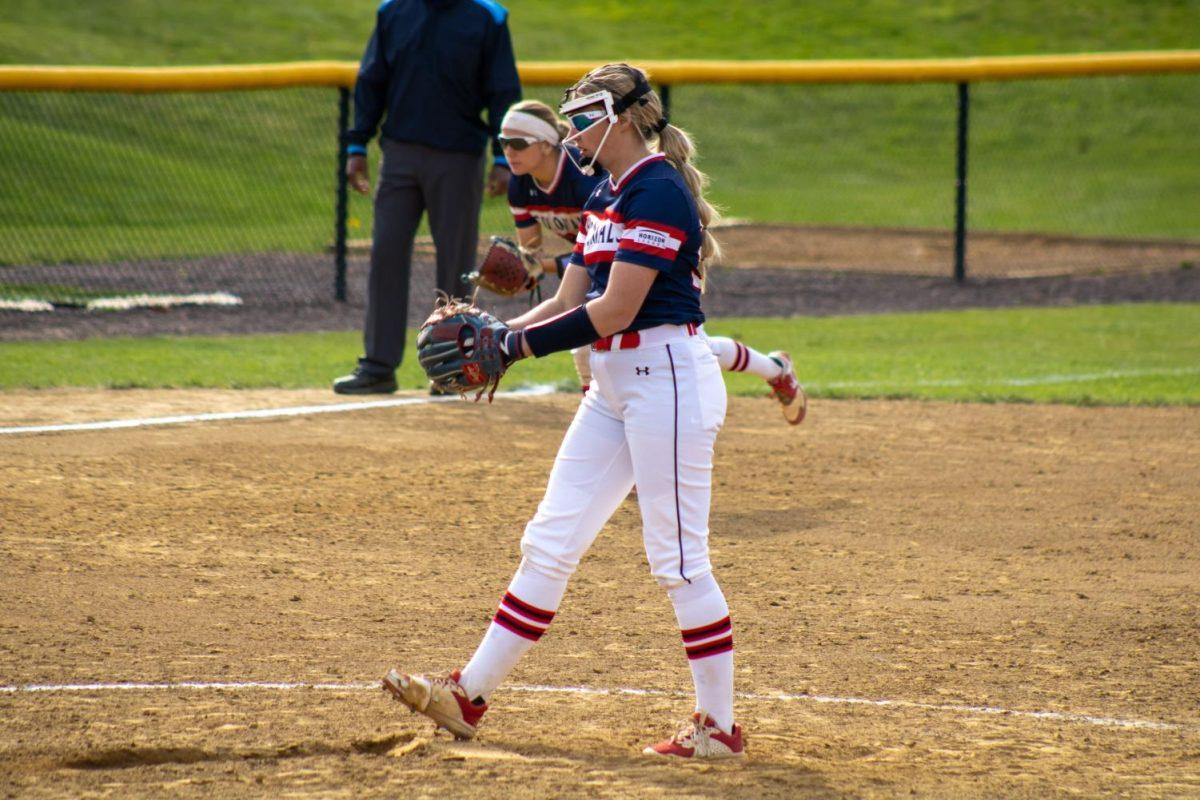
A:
(629, 173)
(562, 158)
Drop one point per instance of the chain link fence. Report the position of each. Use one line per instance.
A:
(168, 194)
(1080, 176)
(229, 197)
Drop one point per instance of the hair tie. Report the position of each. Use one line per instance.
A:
(641, 88)
(662, 123)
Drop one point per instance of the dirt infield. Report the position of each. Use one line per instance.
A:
(965, 561)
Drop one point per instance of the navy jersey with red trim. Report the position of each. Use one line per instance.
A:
(648, 218)
(557, 207)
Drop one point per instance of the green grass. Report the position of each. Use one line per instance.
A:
(92, 177)
(1125, 354)
(49, 292)
(148, 32)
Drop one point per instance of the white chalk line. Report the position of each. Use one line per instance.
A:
(1035, 380)
(544, 389)
(127, 302)
(262, 413)
(1056, 716)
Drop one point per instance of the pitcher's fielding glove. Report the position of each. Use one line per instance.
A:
(507, 269)
(459, 348)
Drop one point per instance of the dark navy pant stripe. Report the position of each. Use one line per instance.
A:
(678, 515)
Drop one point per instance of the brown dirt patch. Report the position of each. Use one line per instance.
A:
(913, 251)
(1023, 557)
(65, 406)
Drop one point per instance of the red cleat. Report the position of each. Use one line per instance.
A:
(699, 737)
(787, 389)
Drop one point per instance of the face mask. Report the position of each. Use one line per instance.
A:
(582, 109)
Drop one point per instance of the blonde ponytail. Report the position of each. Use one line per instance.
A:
(677, 146)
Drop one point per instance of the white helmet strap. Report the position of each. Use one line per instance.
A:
(604, 98)
(587, 164)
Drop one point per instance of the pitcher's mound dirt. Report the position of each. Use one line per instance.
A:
(960, 559)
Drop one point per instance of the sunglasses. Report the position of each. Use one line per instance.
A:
(517, 143)
(582, 120)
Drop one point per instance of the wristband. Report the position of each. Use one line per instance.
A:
(500, 161)
(356, 150)
(510, 347)
(567, 331)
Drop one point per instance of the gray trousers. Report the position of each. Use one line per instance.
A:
(414, 179)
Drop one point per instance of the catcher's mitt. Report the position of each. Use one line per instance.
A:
(507, 269)
(459, 348)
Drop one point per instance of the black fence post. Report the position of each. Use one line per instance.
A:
(664, 94)
(960, 187)
(339, 225)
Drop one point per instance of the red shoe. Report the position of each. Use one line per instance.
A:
(442, 699)
(787, 389)
(700, 737)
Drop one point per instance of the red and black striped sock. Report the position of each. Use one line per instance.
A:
(707, 631)
(525, 620)
(708, 640)
(524, 614)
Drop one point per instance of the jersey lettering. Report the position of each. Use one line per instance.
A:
(557, 207)
(649, 219)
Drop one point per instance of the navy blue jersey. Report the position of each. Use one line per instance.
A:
(649, 218)
(559, 206)
(432, 66)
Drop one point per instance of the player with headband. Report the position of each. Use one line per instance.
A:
(546, 190)
(551, 180)
(632, 291)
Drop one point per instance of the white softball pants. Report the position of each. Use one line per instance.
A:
(650, 419)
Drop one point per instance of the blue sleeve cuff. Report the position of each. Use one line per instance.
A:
(500, 161)
(564, 332)
(356, 150)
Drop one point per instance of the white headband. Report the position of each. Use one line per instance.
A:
(530, 125)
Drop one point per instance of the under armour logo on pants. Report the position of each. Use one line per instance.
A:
(642, 370)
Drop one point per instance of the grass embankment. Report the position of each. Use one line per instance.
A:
(99, 177)
(1126, 354)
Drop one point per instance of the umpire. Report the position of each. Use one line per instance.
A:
(430, 68)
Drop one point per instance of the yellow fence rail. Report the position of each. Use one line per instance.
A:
(561, 73)
(341, 75)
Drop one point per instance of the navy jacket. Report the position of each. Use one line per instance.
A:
(433, 66)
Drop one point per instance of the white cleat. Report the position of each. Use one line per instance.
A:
(441, 698)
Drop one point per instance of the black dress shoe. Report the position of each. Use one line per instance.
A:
(362, 382)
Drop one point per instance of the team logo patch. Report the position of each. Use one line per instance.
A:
(650, 238)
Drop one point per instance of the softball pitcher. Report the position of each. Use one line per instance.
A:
(547, 191)
(631, 292)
